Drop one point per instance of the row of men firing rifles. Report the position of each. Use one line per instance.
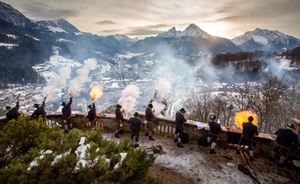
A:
(13, 113)
(286, 140)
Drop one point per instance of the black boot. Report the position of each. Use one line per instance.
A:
(150, 138)
(179, 145)
(212, 151)
(117, 135)
(146, 134)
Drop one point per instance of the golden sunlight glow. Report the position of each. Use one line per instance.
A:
(96, 92)
(216, 29)
(242, 117)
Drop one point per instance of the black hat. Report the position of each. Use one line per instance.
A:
(118, 106)
(150, 106)
(63, 103)
(136, 114)
(212, 117)
(250, 118)
(8, 107)
(291, 126)
(182, 110)
(89, 106)
(36, 105)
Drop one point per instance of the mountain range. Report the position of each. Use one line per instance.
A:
(26, 38)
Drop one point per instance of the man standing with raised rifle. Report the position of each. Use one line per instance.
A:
(40, 110)
(13, 113)
(66, 113)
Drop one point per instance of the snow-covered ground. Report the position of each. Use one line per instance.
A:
(195, 163)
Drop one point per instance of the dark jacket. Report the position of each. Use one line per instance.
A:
(249, 130)
(135, 124)
(149, 114)
(13, 113)
(179, 120)
(287, 138)
(92, 113)
(66, 110)
(118, 113)
(39, 111)
(214, 127)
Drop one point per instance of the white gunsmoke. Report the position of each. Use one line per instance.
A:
(129, 98)
(82, 76)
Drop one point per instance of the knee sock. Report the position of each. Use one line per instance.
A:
(282, 159)
(179, 140)
(66, 127)
(208, 139)
(150, 133)
(251, 153)
(71, 125)
(117, 131)
(213, 145)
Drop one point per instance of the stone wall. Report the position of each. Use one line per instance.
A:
(163, 125)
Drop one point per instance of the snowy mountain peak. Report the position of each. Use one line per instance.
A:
(122, 37)
(9, 14)
(264, 37)
(170, 33)
(194, 31)
(59, 25)
(191, 31)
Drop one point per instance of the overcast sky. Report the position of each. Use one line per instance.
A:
(142, 18)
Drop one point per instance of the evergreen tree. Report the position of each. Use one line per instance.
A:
(32, 152)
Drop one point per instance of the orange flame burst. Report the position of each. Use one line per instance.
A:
(242, 117)
(96, 92)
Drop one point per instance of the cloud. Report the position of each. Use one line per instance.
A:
(142, 32)
(110, 31)
(42, 11)
(105, 22)
(223, 19)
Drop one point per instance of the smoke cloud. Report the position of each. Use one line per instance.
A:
(82, 76)
(57, 83)
(129, 98)
(163, 88)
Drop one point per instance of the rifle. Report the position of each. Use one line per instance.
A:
(247, 170)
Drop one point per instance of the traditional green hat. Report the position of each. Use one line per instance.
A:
(63, 103)
(182, 110)
(291, 126)
(36, 105)
(212, 117)
(89, 106)
(8, 107)
(150, 106)
(136, 114)
(118, 106)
